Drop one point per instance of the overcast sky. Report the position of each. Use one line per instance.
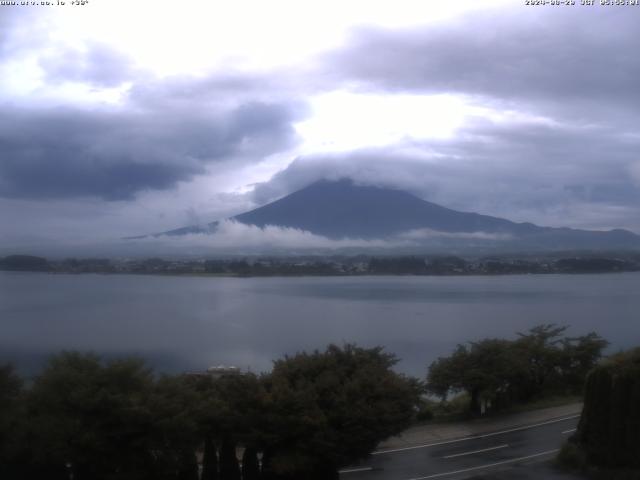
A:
(122, 117)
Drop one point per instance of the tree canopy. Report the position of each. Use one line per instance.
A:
(117, 420)
(609, 428)
(496, 373)
(346, 400)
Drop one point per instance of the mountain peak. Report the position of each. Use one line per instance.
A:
(342, 208)
(345, 209)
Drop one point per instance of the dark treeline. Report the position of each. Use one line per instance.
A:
(608, 435)
(332, 266)
(85, 418)
(497, 373)
(312, 414)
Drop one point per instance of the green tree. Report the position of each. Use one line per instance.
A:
(112, 420)
(250, 465)
(175, 433)
(328, 409)
(580, 355)
(497, 373)
(91, 416)
(230, 414)
(556, 363)
(609, 428)
(540, 349)
(209, 460)
(229, 466)
(485, 370)
(187, 465)
(12, 424)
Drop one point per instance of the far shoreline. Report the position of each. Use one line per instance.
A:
(363, 275)
(335, 266)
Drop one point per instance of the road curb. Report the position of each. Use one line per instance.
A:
(445, 432)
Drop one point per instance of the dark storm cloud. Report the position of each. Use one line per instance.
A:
(522, 171)
(94, 64)
(164, 131)
(58, 153)
(584, 54)
(567, 156)
(577, 67)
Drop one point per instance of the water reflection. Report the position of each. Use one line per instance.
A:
(183, 323)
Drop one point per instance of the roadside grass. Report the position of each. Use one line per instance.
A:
(456, 409)
(545, 402)
(452, 410)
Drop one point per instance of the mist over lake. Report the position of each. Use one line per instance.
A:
(190, 323)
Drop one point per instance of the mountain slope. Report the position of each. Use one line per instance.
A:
(341, 209)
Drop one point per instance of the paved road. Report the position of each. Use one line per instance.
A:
(470, 457)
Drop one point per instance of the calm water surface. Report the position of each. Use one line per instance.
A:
(183, 323)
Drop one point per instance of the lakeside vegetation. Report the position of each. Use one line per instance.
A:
(497, 374)
(336, 265)
(312, 414)
(117, 420)
(606, 444)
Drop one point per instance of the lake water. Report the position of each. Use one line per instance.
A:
(190, 323)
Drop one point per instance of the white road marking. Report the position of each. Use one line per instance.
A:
(354, 470)
(475, 437)
(476, 451)
(569, 431)
(505, 462)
